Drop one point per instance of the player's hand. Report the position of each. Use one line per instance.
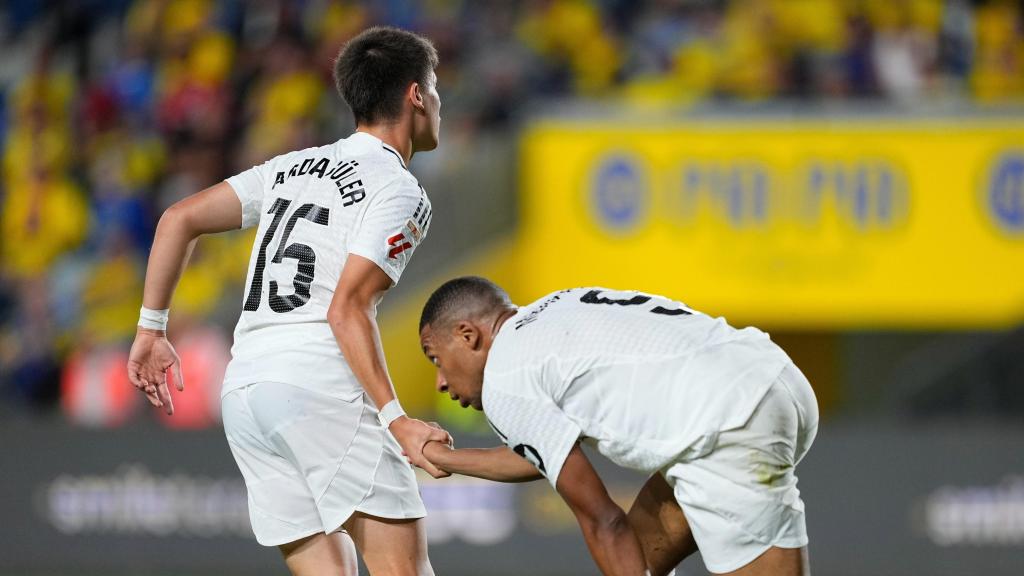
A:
(451, 441)
(149, 365)
(435, 451)
(435, 445)
(412, 435)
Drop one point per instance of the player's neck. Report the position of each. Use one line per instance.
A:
(395, 135)
(500, 319)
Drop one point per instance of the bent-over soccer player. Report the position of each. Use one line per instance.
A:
(337, 225)
(719, 417)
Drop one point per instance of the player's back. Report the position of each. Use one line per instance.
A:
(586, 325)
(314, 207)
(642, 375)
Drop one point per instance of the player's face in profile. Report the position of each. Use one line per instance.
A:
(427, 126)
(460, 366)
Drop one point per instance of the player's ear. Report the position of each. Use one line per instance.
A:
(468, 334)
(415, 96)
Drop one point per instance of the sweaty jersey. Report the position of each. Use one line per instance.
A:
(645, 379)
(313, 208)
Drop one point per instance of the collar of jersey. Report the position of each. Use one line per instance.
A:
(373, 140)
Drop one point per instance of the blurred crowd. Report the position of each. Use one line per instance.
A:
(112, 110)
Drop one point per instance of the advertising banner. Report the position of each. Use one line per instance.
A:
(881, 499)
(796, 224)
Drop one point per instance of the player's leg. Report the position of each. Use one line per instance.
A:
(791, 561)
(777, 562)
(328, 554)
(391, 547)
(741, 499)
(282, 509)
(357, 475)
(661, 527)
(387, 525)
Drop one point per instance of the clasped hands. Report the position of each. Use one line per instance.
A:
(414, 436)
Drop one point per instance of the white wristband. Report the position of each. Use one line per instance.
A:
(153, 319)
(389, 413)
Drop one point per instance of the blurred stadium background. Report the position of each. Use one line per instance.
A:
(847, 174)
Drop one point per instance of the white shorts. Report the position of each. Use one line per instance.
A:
(741, 498)
(311, 460)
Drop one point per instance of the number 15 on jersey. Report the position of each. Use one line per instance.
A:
(302, 253)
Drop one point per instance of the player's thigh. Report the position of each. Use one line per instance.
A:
(321, 553)
(661, 527)
(741, 499)
(281, 507)
(391, 547)
(777, 562)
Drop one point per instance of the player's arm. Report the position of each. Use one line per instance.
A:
(215, 209)
(353, 320)
(499, 464)
(607, 531)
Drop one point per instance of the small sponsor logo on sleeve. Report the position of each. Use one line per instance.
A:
(414, 231)
(398, 244)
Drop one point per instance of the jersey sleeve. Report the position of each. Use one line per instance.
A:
(393, 225)
(534, 428)
(249, 186)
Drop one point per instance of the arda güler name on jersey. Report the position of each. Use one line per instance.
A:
(344, 175)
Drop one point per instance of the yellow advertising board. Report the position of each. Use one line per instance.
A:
(803, 224)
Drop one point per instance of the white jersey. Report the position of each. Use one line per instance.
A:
(645, 379)
(314, 207)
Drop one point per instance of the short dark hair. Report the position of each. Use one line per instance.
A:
(470, 295)
(373, 70)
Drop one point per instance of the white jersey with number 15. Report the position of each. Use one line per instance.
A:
(313, 208)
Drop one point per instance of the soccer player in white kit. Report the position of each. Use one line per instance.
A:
(718, 416)
(337, 225)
